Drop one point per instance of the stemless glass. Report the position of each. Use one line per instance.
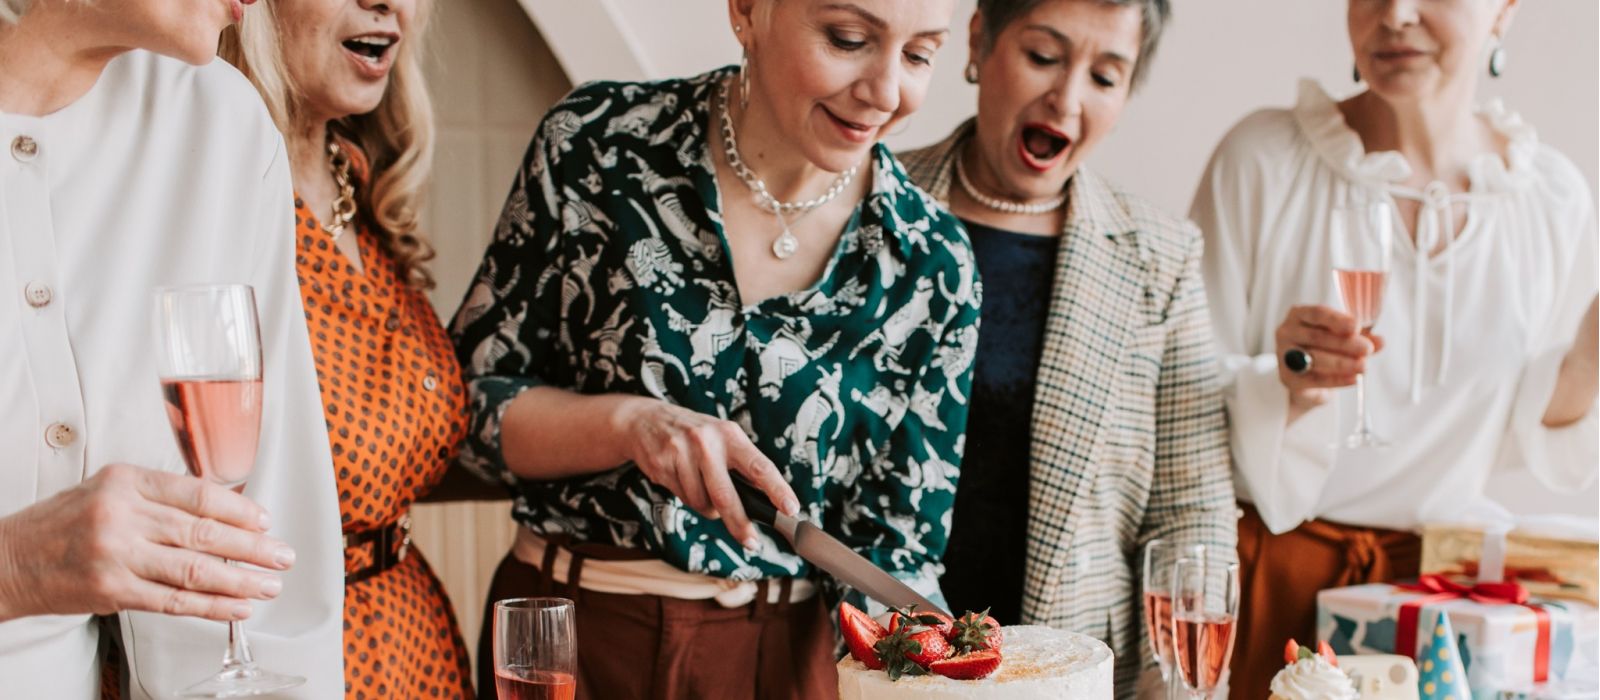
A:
(1159, 556)
(1362, 237)
(535, 649)
(1205, 608)
(210, 371)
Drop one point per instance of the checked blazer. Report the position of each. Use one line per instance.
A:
(1129, 435)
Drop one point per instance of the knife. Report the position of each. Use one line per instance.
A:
(829, 554)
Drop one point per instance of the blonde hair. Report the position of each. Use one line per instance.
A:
(396, 139)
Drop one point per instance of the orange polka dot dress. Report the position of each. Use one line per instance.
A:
(396, 411)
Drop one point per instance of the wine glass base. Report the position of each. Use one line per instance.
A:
(1362, 441)
(241, 681)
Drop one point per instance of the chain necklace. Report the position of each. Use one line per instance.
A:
(1002, 205)
(785, 244)
(344, 206)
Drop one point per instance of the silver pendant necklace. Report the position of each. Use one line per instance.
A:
(785, 245)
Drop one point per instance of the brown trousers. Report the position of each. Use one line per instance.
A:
(1279, 576)
(641, 646)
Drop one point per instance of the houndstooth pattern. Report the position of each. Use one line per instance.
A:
(1129, 437)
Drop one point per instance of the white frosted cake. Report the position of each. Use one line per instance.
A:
(1038, 662)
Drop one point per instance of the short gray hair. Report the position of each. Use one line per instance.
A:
(12, 10)
(1154, 15)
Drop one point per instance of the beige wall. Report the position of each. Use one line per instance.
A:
(492, 79)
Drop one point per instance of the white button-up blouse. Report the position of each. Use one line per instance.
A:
(162, 174)
(1475, 333)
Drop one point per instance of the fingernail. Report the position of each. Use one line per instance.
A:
(270, 588)
(264, 521)
(751, 544)
(283, 556)
(790, 506)
(239, 611)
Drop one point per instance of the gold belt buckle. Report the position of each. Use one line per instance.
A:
(405, 537)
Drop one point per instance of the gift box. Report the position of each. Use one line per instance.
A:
(1549, 563)
(1505, 647)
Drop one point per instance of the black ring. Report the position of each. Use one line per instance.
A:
(1297, 361)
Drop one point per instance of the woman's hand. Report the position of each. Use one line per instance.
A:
(690, 454)
(1586, 344)
(131, 538)
(1580, 370)
(1337, 348)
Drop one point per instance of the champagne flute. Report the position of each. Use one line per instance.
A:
(210, 370)
(1159, 556)
(535, 649)
(1205, 608)
(1362, 238)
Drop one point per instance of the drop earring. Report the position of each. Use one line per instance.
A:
(1497, 60)
(1355, 73)
(744, 80)
(971, 73)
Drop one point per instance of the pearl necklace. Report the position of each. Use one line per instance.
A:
(1002, 205)
(785, 245)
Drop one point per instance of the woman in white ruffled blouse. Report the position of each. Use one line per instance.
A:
(1493, 267)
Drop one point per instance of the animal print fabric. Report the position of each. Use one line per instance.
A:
(609, 273)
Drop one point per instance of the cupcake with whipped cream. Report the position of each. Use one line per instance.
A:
(1312, 676)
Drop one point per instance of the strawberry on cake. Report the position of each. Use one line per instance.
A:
(1312, 676)
(929, 655)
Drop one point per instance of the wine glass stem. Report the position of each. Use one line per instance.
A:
(238, 647)
(238, 654)
(1364, 426)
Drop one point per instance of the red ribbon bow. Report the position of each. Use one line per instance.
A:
(1439, 589)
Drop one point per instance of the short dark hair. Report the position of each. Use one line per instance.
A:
(1154, 15)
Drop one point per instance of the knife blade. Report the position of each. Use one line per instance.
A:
(829, 554)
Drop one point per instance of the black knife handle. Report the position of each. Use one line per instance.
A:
(756, 505)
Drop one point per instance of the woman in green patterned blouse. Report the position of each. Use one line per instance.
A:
(725, 273)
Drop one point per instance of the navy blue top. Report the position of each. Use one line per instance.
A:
(989, 528)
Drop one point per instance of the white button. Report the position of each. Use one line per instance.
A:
(59, 435)
(429, 383)
(38, 294)
(24, 148)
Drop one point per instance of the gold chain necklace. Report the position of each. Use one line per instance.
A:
(344, 206)
(785, 245)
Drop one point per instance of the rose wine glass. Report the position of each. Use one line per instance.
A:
(210, 365)
(1159, 556)
(535, 649)
(1362, 238)
(1205, 608)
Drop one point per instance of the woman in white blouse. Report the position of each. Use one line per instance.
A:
(124, 170)
(1493, 267)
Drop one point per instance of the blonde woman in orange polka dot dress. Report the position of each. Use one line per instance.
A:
(342, 80)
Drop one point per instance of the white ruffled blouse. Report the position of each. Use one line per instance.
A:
(1475, 332)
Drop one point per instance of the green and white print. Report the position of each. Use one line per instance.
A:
(609, 273)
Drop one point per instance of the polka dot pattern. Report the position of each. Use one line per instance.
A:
(396, 412)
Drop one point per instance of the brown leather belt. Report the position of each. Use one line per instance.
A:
(372, 552)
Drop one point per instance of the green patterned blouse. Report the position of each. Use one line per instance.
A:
(610, 273)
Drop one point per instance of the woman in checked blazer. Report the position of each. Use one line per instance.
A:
(1095, 423)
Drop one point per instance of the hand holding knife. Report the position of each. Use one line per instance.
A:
(829, 554)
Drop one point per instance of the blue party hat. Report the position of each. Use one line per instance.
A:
(1442, 677)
